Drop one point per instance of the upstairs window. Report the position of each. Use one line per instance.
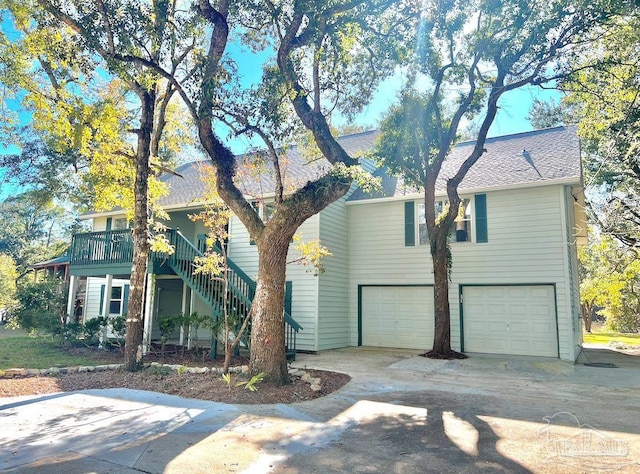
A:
(472, 218)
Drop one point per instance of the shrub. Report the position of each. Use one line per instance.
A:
(40, 307)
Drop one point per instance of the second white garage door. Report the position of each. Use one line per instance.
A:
(397, 316)
(518, 320)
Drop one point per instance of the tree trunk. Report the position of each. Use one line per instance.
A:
(442, 329)
(135, 316)
(587, 313)
(267, 311)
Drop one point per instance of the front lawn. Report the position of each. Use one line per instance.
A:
(608, 337)
(36, 353)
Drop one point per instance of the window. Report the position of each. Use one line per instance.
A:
(118, 302)
(115, 304)
(460, 233)
(120, 223)
(472, 218)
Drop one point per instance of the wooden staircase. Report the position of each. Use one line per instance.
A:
(241, 288)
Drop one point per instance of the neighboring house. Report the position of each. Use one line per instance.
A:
(514, 283)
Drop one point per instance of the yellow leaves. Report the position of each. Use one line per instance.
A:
(311, 253)
(212, 264)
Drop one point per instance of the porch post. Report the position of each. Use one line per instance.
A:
(107, 296)
(191, 303)
(148, 313)
(185, 294)
(71, 297)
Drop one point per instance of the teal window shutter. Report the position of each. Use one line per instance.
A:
(101, 300)
(409, 224)
(109, 223)
(482, 233)
(125, 299)
(287, 297)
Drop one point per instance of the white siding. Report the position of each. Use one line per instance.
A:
(526, 244)
(92, 300)
(572, 229)
(305, 285)
(99, 224)
(333, 306)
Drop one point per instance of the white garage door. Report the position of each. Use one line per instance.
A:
(397, 316)
(519, 320)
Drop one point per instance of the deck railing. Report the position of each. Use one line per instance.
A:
(108, 247)
(116, 247)
(241, 288)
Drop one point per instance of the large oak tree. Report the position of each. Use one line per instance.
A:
(323, 57)
(469, 54)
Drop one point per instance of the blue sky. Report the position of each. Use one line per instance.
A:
(511, 118)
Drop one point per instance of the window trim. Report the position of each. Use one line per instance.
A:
(477, 222)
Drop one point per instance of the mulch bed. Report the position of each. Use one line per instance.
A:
(187, 385)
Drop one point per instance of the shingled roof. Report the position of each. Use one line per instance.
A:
(188, 188)
(549, 155)
(529, 158)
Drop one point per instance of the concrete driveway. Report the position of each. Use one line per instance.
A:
(400, 413)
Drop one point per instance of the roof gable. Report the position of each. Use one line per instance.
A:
(529, 158)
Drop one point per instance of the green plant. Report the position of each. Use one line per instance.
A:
(181, 370)
(227, 379)
(93, 327)
(40, 307)
(252, 383)
(118, 326)
(159, 370)
(168, 325)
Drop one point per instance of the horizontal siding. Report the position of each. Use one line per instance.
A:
(91, 308)
(526, 244)
(305, 285)
(99, 224)
(333, 306)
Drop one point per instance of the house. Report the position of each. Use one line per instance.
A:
(514, 284)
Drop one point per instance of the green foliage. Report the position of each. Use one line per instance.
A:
(550, 114)
(40, 307)
(39, 353)
(30, 230)
(227, 379)
(168, 325)
(160, 371)
(252, 383)
(611, 280)
(8, 275)
(94, 326)
(606, 102)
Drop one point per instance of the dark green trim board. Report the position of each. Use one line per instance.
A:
(461, 301)
(480, 208)
(360, 287)
(409, 224)
(109, 223)
(101, 300)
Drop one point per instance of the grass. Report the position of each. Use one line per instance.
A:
(35, 353)
(607, 337)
